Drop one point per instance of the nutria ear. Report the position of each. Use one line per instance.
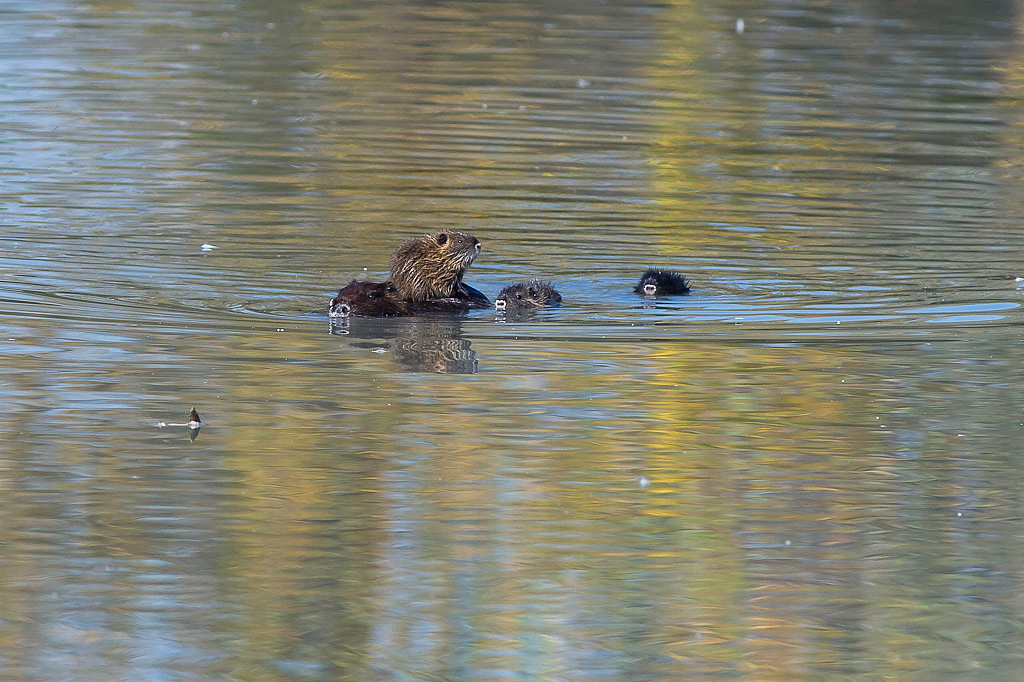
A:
(442, 238)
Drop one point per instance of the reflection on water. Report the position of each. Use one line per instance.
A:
(806, 469)
(425, 344)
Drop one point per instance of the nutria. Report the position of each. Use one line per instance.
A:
(370, 299)
(656, 282)
(529, 295)
(432, 266)
(380, 299)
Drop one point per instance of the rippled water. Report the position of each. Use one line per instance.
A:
(805, 470)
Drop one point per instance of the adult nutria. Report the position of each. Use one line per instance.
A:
(432, 266)
(527, 295)
(656, 282)
(380, 299)
(370, 299)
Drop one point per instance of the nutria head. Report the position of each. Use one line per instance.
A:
(528, 295)
(432, 266)
(656, 282)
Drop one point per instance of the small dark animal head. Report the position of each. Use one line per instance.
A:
(662, 283)
(528, 295)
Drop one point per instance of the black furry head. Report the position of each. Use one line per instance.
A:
(656, 282)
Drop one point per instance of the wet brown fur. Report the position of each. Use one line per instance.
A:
(432, 266)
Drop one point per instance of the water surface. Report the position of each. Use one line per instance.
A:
(805, 470)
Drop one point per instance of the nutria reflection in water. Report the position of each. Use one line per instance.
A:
(434, 347)
(656, 282)
(416, 344)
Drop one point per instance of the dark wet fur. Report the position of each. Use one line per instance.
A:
(465, 298)
(656, 282)
(474, 298)
(367, 299)
(381, 299)
(526, 296)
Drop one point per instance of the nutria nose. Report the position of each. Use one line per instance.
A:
(500, 304)
(650, 289)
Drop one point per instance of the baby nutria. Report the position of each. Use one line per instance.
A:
(656, 282)
(370, 299)
(529, 295)
(433, 266)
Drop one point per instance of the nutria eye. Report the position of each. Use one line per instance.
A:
(442, 238)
